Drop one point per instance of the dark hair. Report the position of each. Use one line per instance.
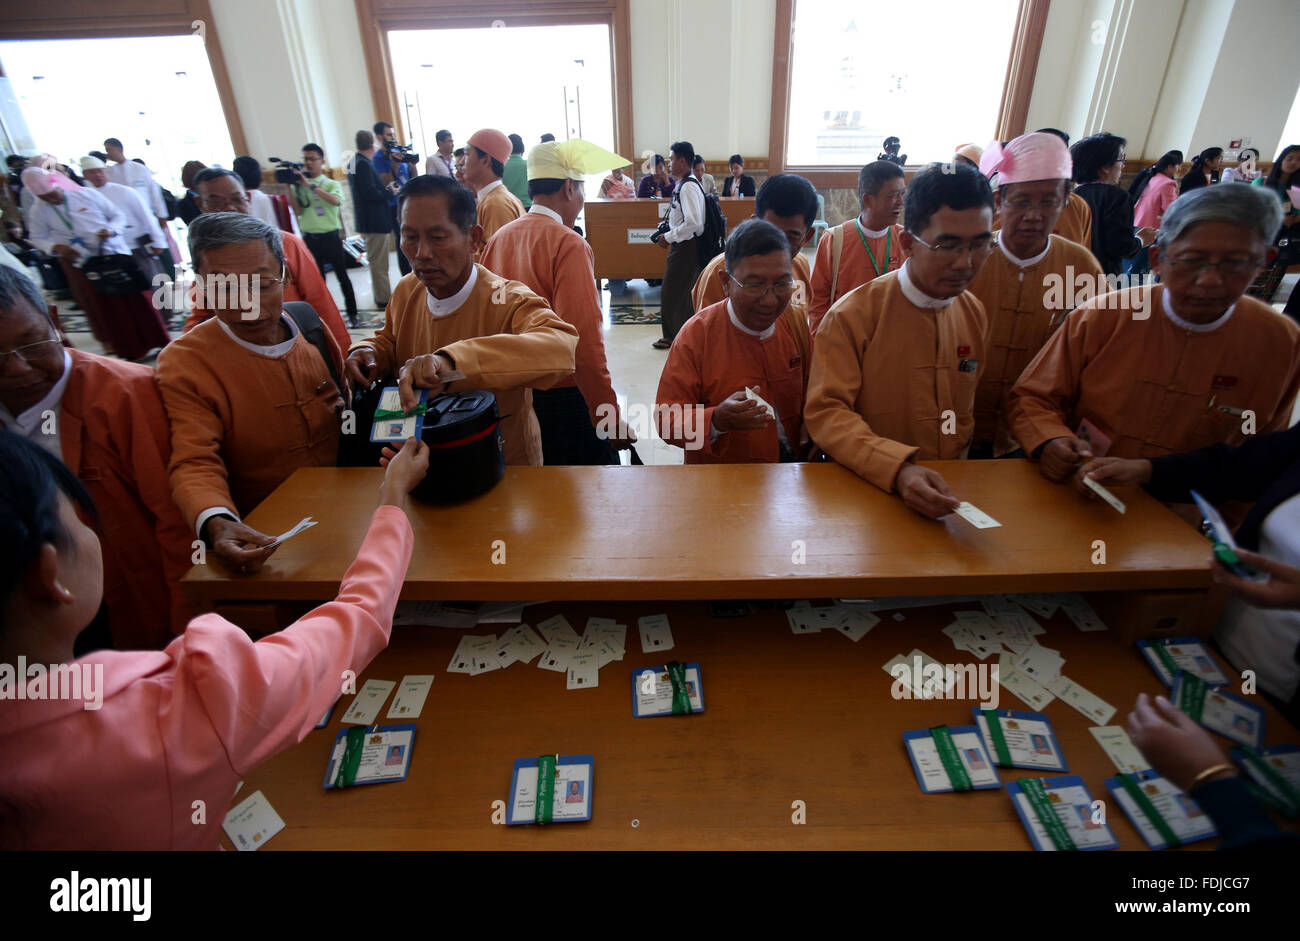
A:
(787, 194)
(101, 155)
(754, 237)
(875, 175)
(546, 138)
(684, 150)
(498, 168)
(545, 186)
(516, 144)
(207, 174)
(249, 171)
(1274, 179)
(462, 207)
(1059, 133)
(458, 152)
(14, 160)
(365, 140)
(112, 142)
(315, 149)
(1241, 154)
(442, 135)
(1169, 159)
(1093, 153)
(191, 169)
(1195, 177)
(699, 158)
(16, 287)
(736, 158)
(955, 186)
(380, 127)
(659, 159)
(30, 478)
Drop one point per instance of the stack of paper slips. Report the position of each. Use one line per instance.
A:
(850, 620)
(559, 648)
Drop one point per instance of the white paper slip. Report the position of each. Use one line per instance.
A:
(607, 652)
(1080, 612)
(1021, 686)
(1040, 664)
(411, 694)
(365, 707)
(483, 654)
(583, 671)
(519, 645)
(1090, 704)
(305, 523)
(556, 656)
(1044, 606)
(975, 516)
(655, 633)
(1017, 631)
(556, 626)
(460, 660)
(804, 620)
(1119, 748)
(1105, 494)
(755, 397)
(925, 675)
(855, 624)
(252, 822)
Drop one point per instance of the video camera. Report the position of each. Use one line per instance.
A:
(400, 152)
(284, 170)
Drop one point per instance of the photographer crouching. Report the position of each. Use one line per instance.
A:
(678, 234)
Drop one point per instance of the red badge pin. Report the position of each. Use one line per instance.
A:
(963, 351)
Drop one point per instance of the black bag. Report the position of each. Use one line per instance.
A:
(713, 240)
(114, 275)
(169, 201)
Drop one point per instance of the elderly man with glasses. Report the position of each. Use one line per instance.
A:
(1168, 367)
(732, 388)
(250, 397)
(223, 191)
(1015, 284)
(897, 360)
(104, 419)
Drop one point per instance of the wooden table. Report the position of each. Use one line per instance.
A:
(720, 531)
(788, 718)
(619, 231)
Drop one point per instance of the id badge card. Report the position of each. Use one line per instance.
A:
(1163, 814)
(967, 756)
(1076, 823)
(1218, 711)
(392, 425)
(320, 210)
(570, 789)
(1090, 433)
(1022, 739)
(1168, 655)
(653, 692)
(385, 755)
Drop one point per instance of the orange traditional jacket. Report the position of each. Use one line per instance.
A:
(711, 285)
(711, 360)
(856, 268)
(1154, 387)
(114, 436)
(243, 422)
(495, 208)
(306, 283)
(558, 264)
(892, 381)
(1022, 310)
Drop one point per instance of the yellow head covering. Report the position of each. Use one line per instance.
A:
(570, 160)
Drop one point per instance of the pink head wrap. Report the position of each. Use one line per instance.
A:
(37, 180)
(1028, 157)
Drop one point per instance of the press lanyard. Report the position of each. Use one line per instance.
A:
(67, 222)
(889, 236)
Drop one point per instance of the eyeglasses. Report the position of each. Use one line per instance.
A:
(1024, 205)
(979, 246)
(1228, 267)
(218, 203)
(27, 350)
(755, 292)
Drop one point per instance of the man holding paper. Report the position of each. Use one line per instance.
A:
(897, 360)
(454, 323)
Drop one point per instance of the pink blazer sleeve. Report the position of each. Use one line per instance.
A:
(262, 697)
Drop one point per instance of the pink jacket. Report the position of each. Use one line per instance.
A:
(1158, 196)
(187, 723)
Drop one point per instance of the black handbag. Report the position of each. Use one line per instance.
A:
(114, 275)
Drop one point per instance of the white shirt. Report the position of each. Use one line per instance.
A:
(686, 217)
(139, 221)
(30, 423)
(274, 351)
(1023, 262)
(76, 222)
(1265, 639)
(915, 294)
(489, 188)
(438, 165)
(445, 306)
(546, 211)
(138, 177)
(259, 204)
(1168, 307)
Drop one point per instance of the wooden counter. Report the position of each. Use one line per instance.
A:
(720, 531)
(619, 230)
(788, 718)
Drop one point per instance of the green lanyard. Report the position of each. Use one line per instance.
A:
(1036, 794)
(889, 237)
(545, 789)
(63, 214)
(1130, 784)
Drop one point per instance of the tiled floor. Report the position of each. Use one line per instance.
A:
(633, 365)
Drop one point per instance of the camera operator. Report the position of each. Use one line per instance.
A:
(890, 149)
(394, 169)
(316, 201)
(678, 234)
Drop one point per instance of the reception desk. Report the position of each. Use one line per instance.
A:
(619, 232)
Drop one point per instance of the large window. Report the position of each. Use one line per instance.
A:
(862, 70)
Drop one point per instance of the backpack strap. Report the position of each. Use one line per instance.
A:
(837, 248)
(308, 321)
